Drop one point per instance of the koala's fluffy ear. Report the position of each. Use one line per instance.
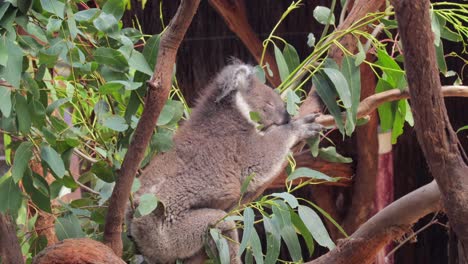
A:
(234, 77)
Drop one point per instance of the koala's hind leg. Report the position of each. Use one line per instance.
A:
(191, 233)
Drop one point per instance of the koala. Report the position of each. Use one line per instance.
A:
(200, 179)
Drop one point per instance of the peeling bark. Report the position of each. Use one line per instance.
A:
(438, 141)
(158, 91)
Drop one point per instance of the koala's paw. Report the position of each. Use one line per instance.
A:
(305, 127)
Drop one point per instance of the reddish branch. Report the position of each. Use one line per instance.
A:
(438, 140)
(235, 16)
(10, 250)
(159, 87)
(387, 225)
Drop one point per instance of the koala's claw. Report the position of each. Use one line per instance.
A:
(307, 128)
(310, 118)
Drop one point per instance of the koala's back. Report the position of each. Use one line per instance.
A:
(198, 172)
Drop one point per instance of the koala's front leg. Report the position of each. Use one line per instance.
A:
(267, 154)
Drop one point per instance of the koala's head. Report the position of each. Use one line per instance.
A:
(238, 83)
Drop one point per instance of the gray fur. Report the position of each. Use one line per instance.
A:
(200, 179)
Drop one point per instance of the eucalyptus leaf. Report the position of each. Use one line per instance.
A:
(112, 58)
(340, 84)
(316, 227)
(282, 65)
(222, 246)
(148, 202)
(53, 160)
(22, 114)
(330, 154)
(5, 101)
(249, 218)
(291, 57)
(10, 196)
(23, 155)
(116, 123)
(309, 173)
(68, 226)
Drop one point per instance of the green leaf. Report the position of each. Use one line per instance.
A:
(315, 225)
(292, 101)
(436, 28)
(5, 101)
(68, 226)
(399, 121)
(87, 15)
(106, 23)
(340, 84)
(36, 31)
(322, 13)
(56, 104)
(53, 25)
(110, 87)
(127, 84)
(166, 115)
(162, 141)
(39, 198)
(282, 65)
(148, 202)
(260, 73)
(291, 57)
(71, 23)
(273, 241)
(361, 55)
(309, 173)
(54, 6)
(314, 145)
(393, 73)
(116, 123)
(53, 160)
(47, 58)
(151, 49)
(22, 114)
(103, 171)
(301, 227)
(13, 69)
(256, 247)
(222, 246)
(115, 8)
(21, 161)
(352, 75)
(246, 182)
(328, 94)
(289, 198)
(330, 154)
(441, 58)
(282, 221)
(249, 218)
(386, 110)
(138, 62)
(10, 195)
(112, 58)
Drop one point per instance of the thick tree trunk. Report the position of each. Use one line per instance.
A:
(10, 250)
(438, 141)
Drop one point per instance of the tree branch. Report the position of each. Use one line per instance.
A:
(436, 136)
(235, 16)
(372, 102)
(159, 87)
(389, 224)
